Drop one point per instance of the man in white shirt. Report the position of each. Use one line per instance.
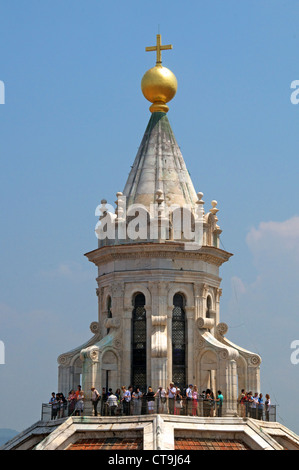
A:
(189, 400)
(254, 404)
(171, 391)
(112, 404)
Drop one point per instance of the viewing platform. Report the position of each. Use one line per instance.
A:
(195, 408)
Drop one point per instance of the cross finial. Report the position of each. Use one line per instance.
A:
(159, 48)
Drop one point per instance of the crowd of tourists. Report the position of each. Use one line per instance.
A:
(254, 405)
(132, 401)
(172, 400)
(72, 405)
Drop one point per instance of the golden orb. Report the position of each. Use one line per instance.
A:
(159, 86)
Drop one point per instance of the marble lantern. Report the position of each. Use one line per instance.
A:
(159, 297)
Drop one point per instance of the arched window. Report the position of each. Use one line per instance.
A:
(179, 343)
(138, 375)
(109, 312)
(209, 307)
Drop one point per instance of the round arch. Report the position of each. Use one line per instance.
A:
(184, 289)
(130, 292)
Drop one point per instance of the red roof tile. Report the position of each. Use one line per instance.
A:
(182, 443)
(108, 443)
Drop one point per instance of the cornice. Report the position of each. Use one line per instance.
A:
(208, 254)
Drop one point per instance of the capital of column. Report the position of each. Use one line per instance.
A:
(190, 312)
(159, 320)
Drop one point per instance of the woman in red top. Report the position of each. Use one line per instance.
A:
(72, 400)
(194, 400)
(242, 401)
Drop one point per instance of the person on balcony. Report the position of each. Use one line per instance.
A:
(95, 398)
(189, 400)
(195, 398)
(137, 401)
(171, 393)
(54, 406)
(267, 407)
(161, 400)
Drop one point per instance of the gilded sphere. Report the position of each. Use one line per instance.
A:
(159, 85)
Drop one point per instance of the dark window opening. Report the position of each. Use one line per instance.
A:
(109, 312)
(179, 342)
(138, 376)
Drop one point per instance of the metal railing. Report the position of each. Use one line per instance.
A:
(184, 407)
(50, 412)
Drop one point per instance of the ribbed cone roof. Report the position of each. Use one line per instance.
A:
(159, 165)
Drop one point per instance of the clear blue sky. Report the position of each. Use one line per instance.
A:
(73, 118)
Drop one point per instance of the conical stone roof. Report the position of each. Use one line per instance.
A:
(159, 165)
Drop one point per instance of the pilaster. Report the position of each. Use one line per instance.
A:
(190, 315)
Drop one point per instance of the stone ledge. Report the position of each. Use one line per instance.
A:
(158, 432)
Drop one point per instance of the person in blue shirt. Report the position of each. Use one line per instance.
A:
(54, 406)
(219, 401)
(260, 407)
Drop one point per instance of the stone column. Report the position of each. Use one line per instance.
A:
(233, 388)
(104, 317)
(126, 352)
(217, 296)
(100, 292)
(159, 352)
(118, 289)
(148, 310)
(227, 380)
(253, 373)
(197, 301)
(169, 343)
(200, 298)
(65, 379)
(91, 375)
(190, 314)
(158, 334)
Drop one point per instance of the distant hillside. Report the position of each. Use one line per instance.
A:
(6, 435)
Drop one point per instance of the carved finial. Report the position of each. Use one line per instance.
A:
(214, 209)
(159, 196)
(119, 211)
(199, 198)
(200, 204)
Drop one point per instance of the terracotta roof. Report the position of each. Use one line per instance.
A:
(108, 443)
(182, 443)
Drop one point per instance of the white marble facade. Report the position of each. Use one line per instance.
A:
(158, 270)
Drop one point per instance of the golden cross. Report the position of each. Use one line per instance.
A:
(158, 48)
